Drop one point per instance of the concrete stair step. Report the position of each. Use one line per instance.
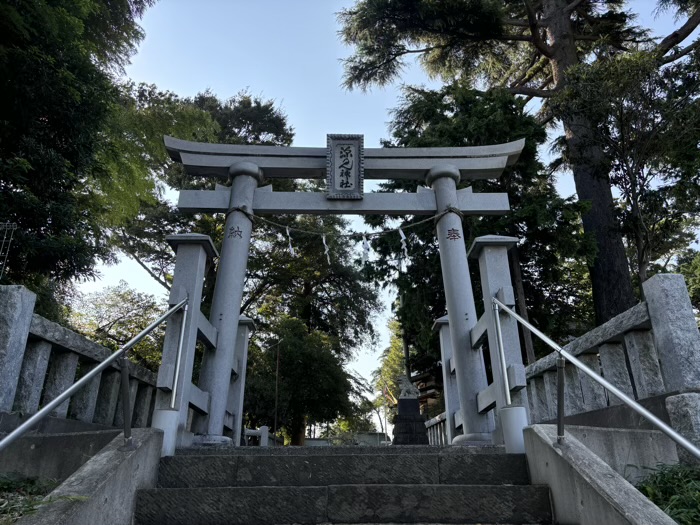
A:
(465, 504)
(316, 470)
(220, 450)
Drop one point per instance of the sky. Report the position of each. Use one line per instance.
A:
(286, 51)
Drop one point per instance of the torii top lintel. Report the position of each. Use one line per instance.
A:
(278, 162)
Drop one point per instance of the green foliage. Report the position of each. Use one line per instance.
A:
(133, 156)
(675, 489)
(647, 120)
(689, 266)
(464, 39)
(527, 48)
(56, 102)
(313, 387)
(115, 315)
(391, 368)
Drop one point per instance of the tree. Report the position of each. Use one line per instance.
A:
(56, 97)
(241, 119)
(312, 385)
(689, 266)
(115, 315)
(647, 120)
(548, 261)
(391, 368)
(527, 48)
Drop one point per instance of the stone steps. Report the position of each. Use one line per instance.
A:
(344, 504)
(316, 470)
(343, 485)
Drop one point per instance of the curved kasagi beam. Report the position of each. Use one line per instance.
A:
(213, 160)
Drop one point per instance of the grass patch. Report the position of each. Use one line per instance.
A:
(675, 489)
(19, 497)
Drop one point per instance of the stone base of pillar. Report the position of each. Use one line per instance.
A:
(473, 439)
(684, 414)
(211, 440)
(409, 428)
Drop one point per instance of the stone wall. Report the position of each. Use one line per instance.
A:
(40, 359)
(649, 351)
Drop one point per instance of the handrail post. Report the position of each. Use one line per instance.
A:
(126, 403)
(178, 359)
(561, 362)
(501, 354)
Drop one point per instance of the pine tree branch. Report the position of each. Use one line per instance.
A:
(532, 92)
(533, 70)
(540, 44)
(572, 6)
(683, 52)
(514, 22)
(679, 35)
(150, 272)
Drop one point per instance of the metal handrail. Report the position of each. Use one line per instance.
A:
(564, 355)
(119, 354)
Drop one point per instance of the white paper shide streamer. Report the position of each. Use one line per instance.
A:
(291, 248)
(365, 249)
(326, 251)
(403, 244)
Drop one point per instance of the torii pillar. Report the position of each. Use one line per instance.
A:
(469, 362)
(215, 375)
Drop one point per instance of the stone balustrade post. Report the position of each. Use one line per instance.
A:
(16, 309)
(194, 252)
(675, 331)
(31, 380)
(677, 342)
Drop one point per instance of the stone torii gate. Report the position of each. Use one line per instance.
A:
(344, 163)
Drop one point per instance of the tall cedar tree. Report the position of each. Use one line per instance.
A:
(526, 47)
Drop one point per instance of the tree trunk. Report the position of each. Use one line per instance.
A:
(610, 275)
(514, 260)
(297, 430)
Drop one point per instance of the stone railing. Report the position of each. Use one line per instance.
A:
(40, 359)
(261, 436)
(437, 430)
(650, 352)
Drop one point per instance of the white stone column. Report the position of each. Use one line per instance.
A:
(469, 363)
(215, 376)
